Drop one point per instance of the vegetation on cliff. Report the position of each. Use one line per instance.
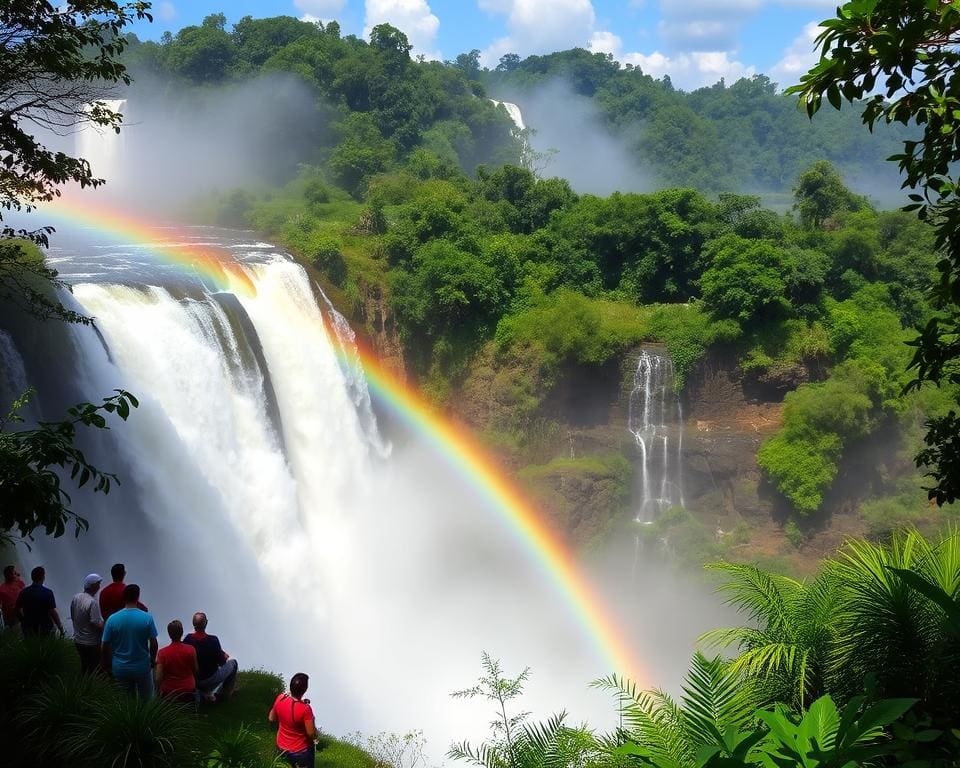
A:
(406, 198)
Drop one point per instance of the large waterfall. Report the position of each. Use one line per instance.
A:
(256, 486)
(656, 421)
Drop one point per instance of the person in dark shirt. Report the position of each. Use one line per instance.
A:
(37, 608)
(217, 672)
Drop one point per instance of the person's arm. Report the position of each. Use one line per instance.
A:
(153, 651)
(106, 656)
(272, 715)
(310, 728)
(159, 673)
(196, 662)
(55, 618)
(96, 618)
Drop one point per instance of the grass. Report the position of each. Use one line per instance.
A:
(50, 714)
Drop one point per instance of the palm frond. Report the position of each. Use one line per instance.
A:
(761, 595)
(714, 699)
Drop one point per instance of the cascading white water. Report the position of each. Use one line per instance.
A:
(102, 146)
(656, 421)
(514, 111)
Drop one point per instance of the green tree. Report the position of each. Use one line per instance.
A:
(907, 50)
(821, 195)
(204, 53)
(31, 493)
(57, 65)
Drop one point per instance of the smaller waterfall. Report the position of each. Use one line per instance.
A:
(514, 111)
(102, 146)
(656, 422)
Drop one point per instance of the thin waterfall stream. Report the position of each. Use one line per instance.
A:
(655, 419)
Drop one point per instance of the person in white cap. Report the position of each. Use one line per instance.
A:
(87, 623)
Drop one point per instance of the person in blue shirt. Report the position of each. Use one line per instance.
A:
(130, 645)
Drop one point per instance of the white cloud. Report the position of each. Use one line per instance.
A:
(540, 26)
(691, 70)
(798, 57)
(413, 17)
(602, 41)
(315, 10)
(166, 11)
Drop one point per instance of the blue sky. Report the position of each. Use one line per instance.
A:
(694, 41)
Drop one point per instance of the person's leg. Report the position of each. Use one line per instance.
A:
(144, 685)
(89, 658)
(229, 670)
(127, 684)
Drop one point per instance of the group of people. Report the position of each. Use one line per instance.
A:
(116, 633)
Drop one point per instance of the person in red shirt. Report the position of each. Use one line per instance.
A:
(177, 666)
(297, 733)
(11, 587)
(111, 596)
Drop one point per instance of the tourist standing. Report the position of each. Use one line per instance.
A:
(297, 731)
(111, 597)
(36, 607)
(177, 666)
(217, 669)
(9, 590)
(87, 623)
(130, 645)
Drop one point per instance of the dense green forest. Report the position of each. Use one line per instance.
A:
(385, 105)
(408, 197)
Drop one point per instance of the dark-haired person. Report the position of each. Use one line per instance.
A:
(218, 672)
(297, 731)
(87, 623)
(130, 645)
(111, 596)
(177, 666)
(37, 608)
(9, 590)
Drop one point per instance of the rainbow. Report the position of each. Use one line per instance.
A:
(215, 265)
(449, 439)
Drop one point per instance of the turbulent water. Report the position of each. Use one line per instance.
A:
(257, 486)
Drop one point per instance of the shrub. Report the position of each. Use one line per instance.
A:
(125, 732)
(326, 256)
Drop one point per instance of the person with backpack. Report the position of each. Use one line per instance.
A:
(297, 732)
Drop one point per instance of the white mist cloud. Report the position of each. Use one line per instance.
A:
(798, 57)
(540, 26)
(166, 11)
(692, 70)
(413, 17)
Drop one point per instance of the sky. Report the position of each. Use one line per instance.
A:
(696, 42)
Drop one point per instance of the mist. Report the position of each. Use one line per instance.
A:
(176, 145)
(570, 140)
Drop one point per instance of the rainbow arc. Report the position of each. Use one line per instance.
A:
(452, 441)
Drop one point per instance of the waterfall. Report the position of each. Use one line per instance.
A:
(102, 146)
(514, 111)
(655, 420)
(256, 486)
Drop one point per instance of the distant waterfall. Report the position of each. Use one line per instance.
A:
(514, 111)
(102, 146)
(656, 422)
